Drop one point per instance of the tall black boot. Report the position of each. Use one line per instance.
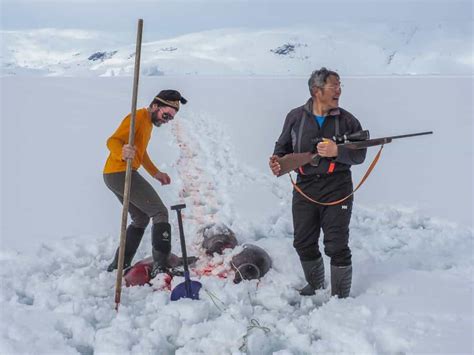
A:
(341, 280)
(314, 275)
(132, 241)
(161, 241)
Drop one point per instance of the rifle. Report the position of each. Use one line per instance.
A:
(357, 140)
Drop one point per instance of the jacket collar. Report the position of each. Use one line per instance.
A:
(308, 108)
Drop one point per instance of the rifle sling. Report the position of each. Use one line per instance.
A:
(366, 175)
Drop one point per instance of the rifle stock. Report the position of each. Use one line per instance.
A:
(293, 161)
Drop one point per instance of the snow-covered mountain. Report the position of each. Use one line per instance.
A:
(362, 49)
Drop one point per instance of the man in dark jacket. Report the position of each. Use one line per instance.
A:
(311, 127)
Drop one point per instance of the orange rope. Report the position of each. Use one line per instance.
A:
(367, 173)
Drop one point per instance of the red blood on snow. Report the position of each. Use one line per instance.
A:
(139, 274)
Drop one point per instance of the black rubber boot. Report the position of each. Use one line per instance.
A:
(132, 241)
(314, 275)
(161, 241)
(341, 280)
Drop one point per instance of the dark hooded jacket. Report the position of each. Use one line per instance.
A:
(301, 131)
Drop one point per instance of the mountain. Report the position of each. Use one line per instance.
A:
(352, 49)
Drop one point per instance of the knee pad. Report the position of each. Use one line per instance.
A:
(161, 237)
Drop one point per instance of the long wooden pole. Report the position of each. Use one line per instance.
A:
(128, 173)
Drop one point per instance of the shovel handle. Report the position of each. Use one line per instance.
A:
(178, 209)
(187, 280)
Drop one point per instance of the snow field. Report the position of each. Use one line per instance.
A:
(412, 286)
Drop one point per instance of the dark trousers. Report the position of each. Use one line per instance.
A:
(309, 218)
(144, 201)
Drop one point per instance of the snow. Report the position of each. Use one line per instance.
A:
(411, 230)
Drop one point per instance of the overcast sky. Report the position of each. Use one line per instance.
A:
(170, 18)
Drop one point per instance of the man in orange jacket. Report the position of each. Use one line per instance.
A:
(145, 204)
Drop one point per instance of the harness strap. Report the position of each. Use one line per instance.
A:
(332, 164)
(366, 175)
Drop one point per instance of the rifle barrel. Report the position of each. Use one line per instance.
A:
(411, 135)
(378, 141)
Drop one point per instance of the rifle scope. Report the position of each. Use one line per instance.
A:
(353, 137)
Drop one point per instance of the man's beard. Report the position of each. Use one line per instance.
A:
(154, 119)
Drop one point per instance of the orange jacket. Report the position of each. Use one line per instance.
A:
(143, 128)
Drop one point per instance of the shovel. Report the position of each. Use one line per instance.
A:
(188, 288)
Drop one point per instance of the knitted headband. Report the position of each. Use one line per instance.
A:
(173, 104)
